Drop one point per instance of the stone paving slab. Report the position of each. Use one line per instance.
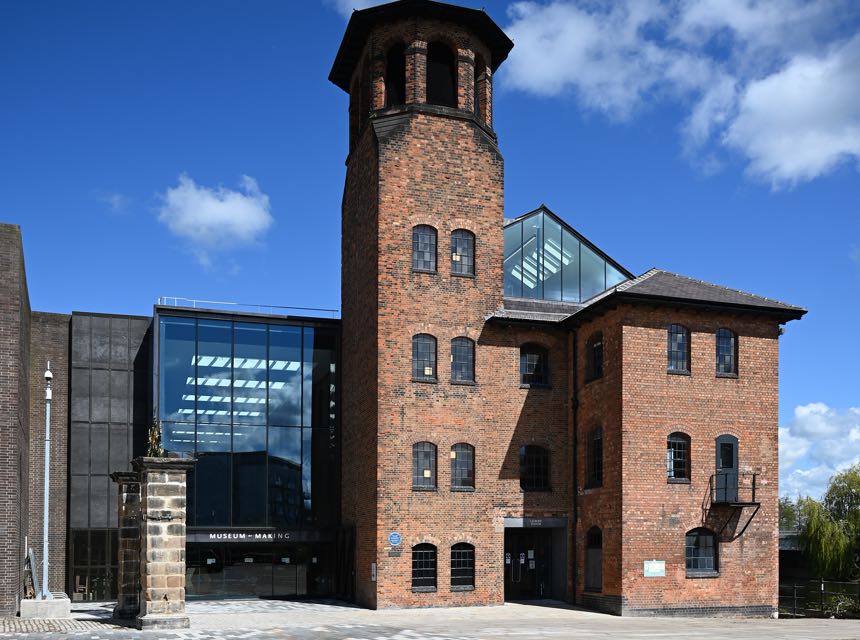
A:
(331, 620)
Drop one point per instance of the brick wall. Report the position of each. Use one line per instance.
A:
(49, 340)
(656, 514)
(431, 165)
(14, 414)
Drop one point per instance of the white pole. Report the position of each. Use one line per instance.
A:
(46, 595)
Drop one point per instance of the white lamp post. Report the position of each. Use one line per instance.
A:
(46, 595)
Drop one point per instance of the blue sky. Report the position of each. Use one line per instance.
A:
(197, 149)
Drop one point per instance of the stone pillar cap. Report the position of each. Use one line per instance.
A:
(124, 476)
(145, 463)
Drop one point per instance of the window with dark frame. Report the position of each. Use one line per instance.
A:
(727, 352)
(678, 457)
(678, 349)
(462, 466)
(462, 360)
(594, 463)
(594, 357)
(700, 553)
(534, 370)
(424, 248)
(463, 252)
(534, 468)
(424, 567)
(462, 567)
(423, 357)
(423, 465)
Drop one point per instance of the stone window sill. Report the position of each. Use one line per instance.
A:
(463, 489)
(463, 587)
(536, 386)
(678, 372)
(465, 383)
(731, 376)
(414, 488)
(677, 481)
(426, 271)
(426, 380)
(463, 275)
(423, 589)
(703, 574)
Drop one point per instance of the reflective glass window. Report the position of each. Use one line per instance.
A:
(212, 480)
(462, 360)
(532, 269)
(592, 273)
(249, 373)
(513, 286)
(534, 366)
(552, 262)
(613, 276)
(678, 348)
(285, 377)
(678, 456)
(249, 475)
(285, 476)
(462, 466)
(214, 371)
(570, 266)
(463, 252)
(423, 357)
(700, 552)
(423, 248)
(424, 465)
(727, 352)
(178, 371)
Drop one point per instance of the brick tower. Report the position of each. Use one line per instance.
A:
(424, 172)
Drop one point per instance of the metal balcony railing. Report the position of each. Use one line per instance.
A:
(734, 488)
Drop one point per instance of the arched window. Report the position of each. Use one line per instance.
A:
(678, 349)
(594, 356)
(423, 357)
(534, 365)
(594, 559)
(678, 457)
(480, 88)
(462, 567)
(463, 252)
(462, 360)
(534, 468)
(594, 458)
(727, 352)
(395, 76)
(424, 567)
(423, 248)
(441, 75)
(423, 465)
(462, 466)
(700, 553)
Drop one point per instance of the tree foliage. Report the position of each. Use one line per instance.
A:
(842, 498)
(827, 542)
(789, 519)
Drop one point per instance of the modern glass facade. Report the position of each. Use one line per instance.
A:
(547, 260)
(255, 401)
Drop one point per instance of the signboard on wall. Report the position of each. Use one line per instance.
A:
(255, 535)
(655, 568)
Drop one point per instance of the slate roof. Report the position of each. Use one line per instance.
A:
(666, 286)
(655, 286)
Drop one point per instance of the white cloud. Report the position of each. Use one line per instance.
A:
(116, 202)
(817, 443)
(778, 81)
(215, 219)
(346, 7)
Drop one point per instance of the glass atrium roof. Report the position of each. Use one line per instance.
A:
(546, 259)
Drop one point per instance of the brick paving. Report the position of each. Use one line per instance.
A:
(331, 620)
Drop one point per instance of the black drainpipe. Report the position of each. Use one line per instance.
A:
(574, 401)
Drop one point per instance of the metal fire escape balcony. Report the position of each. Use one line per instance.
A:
(736, 491)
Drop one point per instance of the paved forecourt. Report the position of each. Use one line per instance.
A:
(251, 619)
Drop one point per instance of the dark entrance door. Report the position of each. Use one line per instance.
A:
(528, 563)
(727, 469)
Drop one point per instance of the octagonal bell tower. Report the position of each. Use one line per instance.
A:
(424, 172)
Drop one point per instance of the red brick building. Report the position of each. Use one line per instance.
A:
(522, 416)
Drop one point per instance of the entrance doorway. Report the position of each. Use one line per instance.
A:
(528, 564)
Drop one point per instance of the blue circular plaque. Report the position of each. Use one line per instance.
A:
(394, 538)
